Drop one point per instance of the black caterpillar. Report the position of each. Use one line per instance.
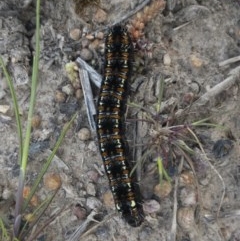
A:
(110, 127)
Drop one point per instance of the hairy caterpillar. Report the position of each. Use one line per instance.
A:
(110, 127)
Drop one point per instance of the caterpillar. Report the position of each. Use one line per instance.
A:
(110, 125)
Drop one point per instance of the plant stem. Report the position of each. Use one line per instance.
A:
(16, 108)
(24, 160)
(161, 170)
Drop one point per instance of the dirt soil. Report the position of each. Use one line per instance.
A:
(184, 45)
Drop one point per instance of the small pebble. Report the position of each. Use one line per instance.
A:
(91, 190)
(52, 181)
(6, 194)
(79, 212)
(93, 203)
(75, 34)
(196, 62)
(20, 75)
(93, 176)
(195, 87)
(188, 98)
(100, 35)
(136, 34)
(108, 200)
(101, 48)
(86, 54)
(94, 44)
(4, 108)
(60, 97)
(90, 37)
(151, 206)
(100, 16)
(36, 121)
(186, 178)
(68, 89)
(79, 93)
(222, 148)
(92, 146)
(185, 218)
(84, 134)
(34, 201)
(163, 189)
(85, 43)
(26, 191)
(166, 60)
(188, 196)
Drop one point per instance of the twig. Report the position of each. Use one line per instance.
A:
(138, 152)
(229, 61)
(217, 89)
(182, 25)
(172, 236)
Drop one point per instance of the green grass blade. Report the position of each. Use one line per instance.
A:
(162, 171)
(196, 123)
(25, 152)
(38, 212)
(16, 108)
(4, 233)
(204, 122)
(33, 90)
(48, 162)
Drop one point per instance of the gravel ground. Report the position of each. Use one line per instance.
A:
(194, 46)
